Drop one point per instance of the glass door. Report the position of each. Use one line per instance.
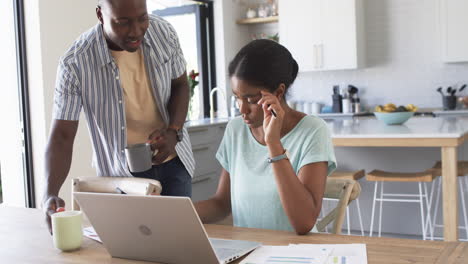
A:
(14, 176)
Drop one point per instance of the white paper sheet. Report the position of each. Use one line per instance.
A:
(89, 232)
(337, 249)
(309, 254)
(284, 255)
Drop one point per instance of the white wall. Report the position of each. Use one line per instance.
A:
(404, 58)
(229, 39)
(51, 27)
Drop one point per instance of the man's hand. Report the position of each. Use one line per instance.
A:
(163, 140)
(52, 205)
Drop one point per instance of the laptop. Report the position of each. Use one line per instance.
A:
(156, 228)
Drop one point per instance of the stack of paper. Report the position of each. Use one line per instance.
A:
(309, 254)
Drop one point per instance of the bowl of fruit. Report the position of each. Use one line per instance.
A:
(390, 114)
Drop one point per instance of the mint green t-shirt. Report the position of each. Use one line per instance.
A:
(255, 199)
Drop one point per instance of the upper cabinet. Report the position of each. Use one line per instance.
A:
(323, 34)
(454, 25)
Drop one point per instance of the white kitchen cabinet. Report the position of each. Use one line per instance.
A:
(454, 24)
(323, 34)
(295, 24)
(205, 142)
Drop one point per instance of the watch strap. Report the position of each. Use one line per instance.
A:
(279, 157)
(178, 130)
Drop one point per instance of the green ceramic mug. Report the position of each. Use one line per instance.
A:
(67, 230)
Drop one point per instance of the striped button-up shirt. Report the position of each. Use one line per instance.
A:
(88, 79)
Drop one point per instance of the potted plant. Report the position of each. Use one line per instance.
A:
(193, 82)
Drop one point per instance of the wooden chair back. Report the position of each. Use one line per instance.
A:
(345, 191)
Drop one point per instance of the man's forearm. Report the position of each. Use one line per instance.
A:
(179, 101)
(58, 161)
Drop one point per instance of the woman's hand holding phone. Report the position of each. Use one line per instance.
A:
(273, 115)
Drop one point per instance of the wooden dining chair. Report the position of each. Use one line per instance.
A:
(128, 185)
(349, 175)
(345, 191)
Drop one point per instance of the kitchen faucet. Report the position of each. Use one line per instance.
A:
(213, 114)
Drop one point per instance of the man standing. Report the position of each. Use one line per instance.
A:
(128, 75)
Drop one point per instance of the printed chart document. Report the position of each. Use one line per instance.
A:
(309, 254)
(283, 254)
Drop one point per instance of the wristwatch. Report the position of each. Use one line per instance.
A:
(179, 132)
(285, 155)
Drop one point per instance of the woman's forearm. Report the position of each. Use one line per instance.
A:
(211, 210)
(298, 203)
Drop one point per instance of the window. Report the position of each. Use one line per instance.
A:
(193, 21)
(16, 178)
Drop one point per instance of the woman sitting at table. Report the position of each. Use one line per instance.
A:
(275, 160)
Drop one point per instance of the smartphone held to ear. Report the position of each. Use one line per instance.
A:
(272, 112)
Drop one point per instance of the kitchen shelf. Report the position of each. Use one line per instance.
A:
(258, 20)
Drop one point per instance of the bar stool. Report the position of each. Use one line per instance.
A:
(349, 175)
(379, 176)
(462, 167)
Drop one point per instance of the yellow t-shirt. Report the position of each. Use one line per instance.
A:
(141, 111)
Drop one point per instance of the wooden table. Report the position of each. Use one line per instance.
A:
(25, 239)
(446, 133)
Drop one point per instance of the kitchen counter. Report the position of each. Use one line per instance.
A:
(207, 122)
(364, 114)
(416, 127)
(445, 133)
(459, 112)
(364, 127)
